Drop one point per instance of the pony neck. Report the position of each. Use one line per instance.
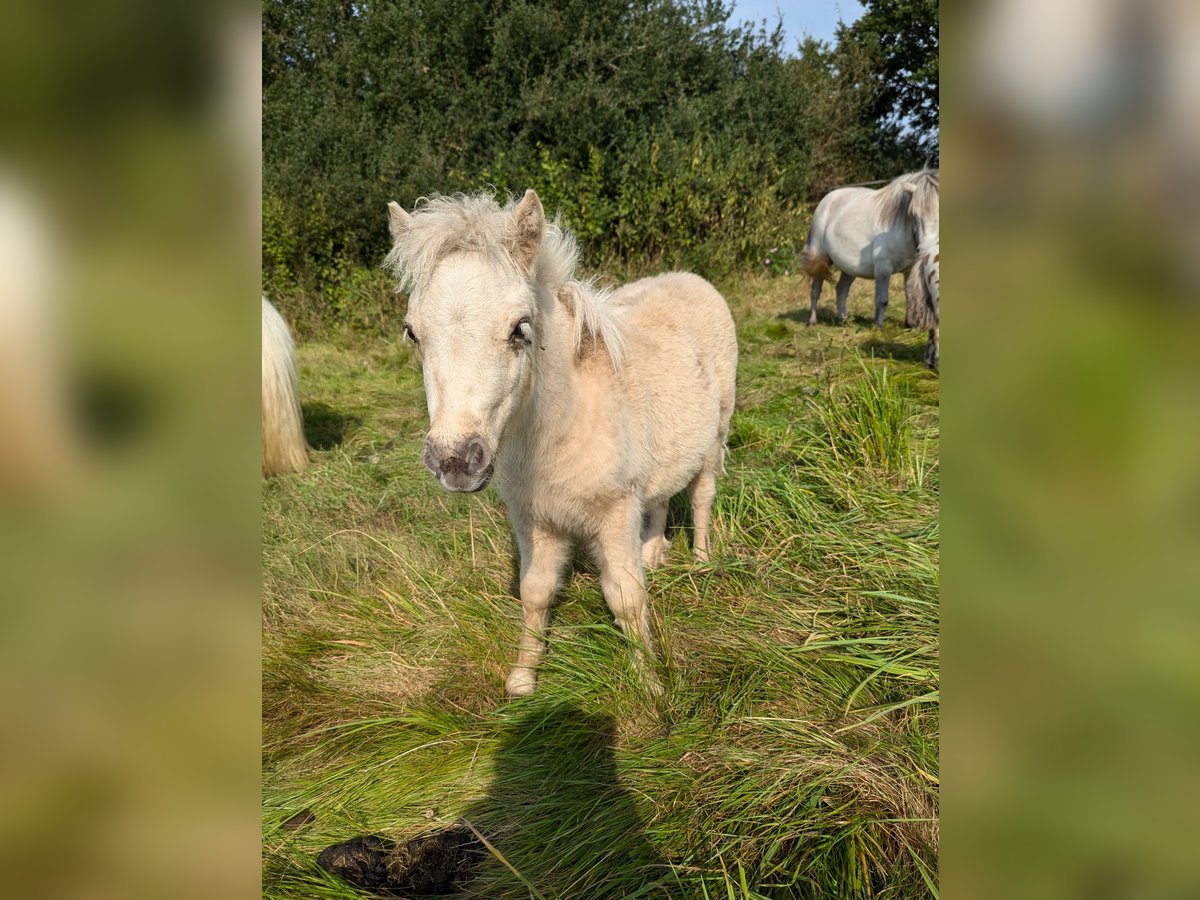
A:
(550, 406)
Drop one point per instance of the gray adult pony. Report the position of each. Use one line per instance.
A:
(870, 234)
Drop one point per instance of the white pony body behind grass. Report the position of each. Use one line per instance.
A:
(870, 234)
(589, 410)
(283, 445)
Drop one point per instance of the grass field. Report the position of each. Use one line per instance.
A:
(795, 752)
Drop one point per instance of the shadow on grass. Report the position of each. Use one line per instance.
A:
(825, 315)
(557, 818)
(679, 518)
(325, 427)
(559, 812)
(881, 347)
(828, 316)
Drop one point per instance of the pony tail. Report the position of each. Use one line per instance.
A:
(815, 263)
(922, 308)
(918, 313)
(283, 446)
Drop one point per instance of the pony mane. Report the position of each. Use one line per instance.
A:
(442, 225)
(897, 205)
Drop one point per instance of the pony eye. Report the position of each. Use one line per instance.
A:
(408, 333)
(522, 332)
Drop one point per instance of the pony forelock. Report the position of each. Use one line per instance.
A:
(441, 225)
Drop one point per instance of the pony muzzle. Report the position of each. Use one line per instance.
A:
(464, 466)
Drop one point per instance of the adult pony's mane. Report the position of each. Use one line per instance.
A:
(476, 223)
(898, 205)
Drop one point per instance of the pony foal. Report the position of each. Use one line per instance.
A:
(589, 410)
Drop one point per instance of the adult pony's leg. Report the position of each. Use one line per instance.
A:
(882, 277)
(542, 557)
(816, 295)
(933, 351)
(843, 292)
(654, 537)
(617, 553)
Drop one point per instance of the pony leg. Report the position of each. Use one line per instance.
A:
(816, 295)
(843, 292)
(542, 557)
(654, 537)
(882, 277)
(933, 351)
(701, 492)
(914, 297)
(617, 554)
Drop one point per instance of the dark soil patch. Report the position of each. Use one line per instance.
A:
(431, 865)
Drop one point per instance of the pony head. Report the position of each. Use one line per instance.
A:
(471, 268)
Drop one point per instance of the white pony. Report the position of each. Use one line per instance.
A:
(590, 410)
(283, 446)
(924, 284)
(870, 234)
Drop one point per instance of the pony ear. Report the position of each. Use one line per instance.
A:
(528, 221)
(398, 220)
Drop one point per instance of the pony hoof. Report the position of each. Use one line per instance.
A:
(812, 320)
(520, 683)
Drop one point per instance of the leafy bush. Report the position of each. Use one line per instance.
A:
(663, 134)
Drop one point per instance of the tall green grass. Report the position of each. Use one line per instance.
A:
(795, 750)
(867, 423)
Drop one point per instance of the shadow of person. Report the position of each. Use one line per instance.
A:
(556, 822)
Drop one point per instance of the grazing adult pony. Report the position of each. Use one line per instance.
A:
(870, 234)
(283, 446)
(590, 410)
(924, 283)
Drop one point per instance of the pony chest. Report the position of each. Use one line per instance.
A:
(566, 497)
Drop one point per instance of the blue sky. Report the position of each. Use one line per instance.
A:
(816, 17)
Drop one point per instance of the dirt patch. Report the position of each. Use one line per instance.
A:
(430, 865)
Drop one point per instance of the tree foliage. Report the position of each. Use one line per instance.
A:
(895, 46)
(665, 134)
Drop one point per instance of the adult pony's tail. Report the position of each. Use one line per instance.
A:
(922, 288)
(283, 445)
(919, 312)
(815, 262)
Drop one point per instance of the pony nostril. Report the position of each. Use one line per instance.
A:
(430, 459)
(476, 457)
